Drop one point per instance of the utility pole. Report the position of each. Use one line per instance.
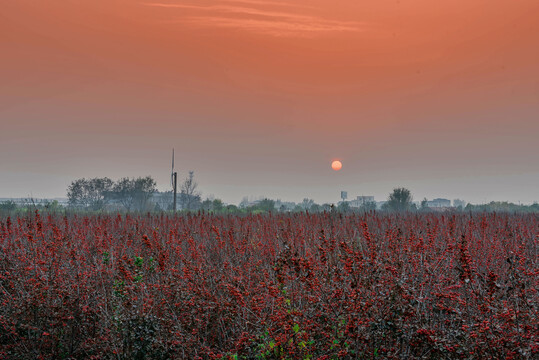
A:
(174, 179)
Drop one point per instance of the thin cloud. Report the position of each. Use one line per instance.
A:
(242, 11)
(244, 2)
(278, 23)
(277, 28)
(269, 3)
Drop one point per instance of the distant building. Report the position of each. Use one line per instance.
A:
(36, 201)
(284, 205)
(360, 201)
(439, 203)
(252, 203)
(380, 204)
(249, 201)
(163, 200)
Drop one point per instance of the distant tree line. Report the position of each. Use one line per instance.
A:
(140, 194)
(131, 194)
(503, 206)
(10, 206)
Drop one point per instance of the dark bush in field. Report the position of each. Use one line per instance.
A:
(299, 286)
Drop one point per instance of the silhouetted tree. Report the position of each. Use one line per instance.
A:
(368, 206)
(134, 194)
(91, 194)
(190, 196)
(344, 207)
(218, 205)
(212, 205)
(399, 200)
(459, 204)
(265, 205)
(306, 204)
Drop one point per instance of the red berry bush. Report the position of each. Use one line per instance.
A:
(286, 286)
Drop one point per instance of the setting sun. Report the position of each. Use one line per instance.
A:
(209, 191)
(336, 165)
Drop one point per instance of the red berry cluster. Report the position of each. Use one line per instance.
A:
(276, 286)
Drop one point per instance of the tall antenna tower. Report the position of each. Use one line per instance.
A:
(174, 181)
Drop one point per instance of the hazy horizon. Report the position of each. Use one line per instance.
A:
(258, 97)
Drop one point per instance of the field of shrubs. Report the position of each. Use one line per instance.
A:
(275, 286)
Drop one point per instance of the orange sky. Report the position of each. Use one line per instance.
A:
(259, 96)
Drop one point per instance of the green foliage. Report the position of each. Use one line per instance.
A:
(139, 261)
(267, 347)
(119, 289)
(139, 271)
